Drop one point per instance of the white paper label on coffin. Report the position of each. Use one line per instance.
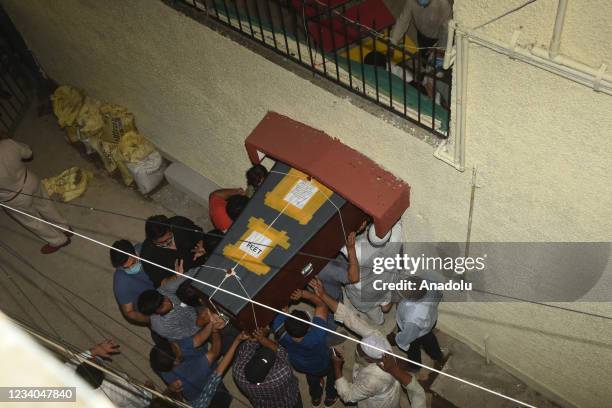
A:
(301, 193)
(255, 244)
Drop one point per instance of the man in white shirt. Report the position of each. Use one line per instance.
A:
(416, 317)
(361, 293)
(430, 18)
(371, 386)
(19, 189)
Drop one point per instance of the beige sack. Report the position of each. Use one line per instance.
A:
(117, 121)
(106, 151)
(67, 102)
(68, 185)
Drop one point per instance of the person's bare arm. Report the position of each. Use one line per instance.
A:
(261, 335)
(321, 309)
(215, 348)
(229, 355)
(353, 269)
(389, 364)
(134, 315)
(226, 193)
(319, 290)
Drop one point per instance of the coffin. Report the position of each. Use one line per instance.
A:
(317, 192)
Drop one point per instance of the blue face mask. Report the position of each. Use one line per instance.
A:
(423, 3)
(134, 269)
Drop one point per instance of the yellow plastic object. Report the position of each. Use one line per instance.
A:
(72, 133)
(106, 151)
(134, 147)
(67, 102)
(255, 244)
(298, 196)
(89, 118)
(68, 185)
(117, 121)
(367, 46)
(126, 175)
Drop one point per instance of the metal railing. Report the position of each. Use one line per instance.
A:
(15, 83)
(340, 41)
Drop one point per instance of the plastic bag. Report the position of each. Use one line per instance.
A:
(147, 173)
(73, 134)
(67, 102)
(134, 148)
(106, 151)
(89, 118)
(126, 176)
(68, 185)
(117, 121)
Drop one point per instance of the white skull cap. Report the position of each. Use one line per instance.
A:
(376, 341)
(373, 238)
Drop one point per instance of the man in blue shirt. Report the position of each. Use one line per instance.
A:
(184, 365)
(307, 347)
(129, 281)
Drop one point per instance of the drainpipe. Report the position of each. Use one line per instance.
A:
(452, 150)
(555, 41)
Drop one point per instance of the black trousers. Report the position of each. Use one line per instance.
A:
(429, 343)
(315, 388)
(425, 42)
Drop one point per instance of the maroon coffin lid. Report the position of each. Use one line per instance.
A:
(354, 176)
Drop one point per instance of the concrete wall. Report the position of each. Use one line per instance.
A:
(541, 144)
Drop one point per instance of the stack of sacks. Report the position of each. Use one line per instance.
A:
(110, 131)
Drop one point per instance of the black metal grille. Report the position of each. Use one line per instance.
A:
(340, 40)
(16, 88)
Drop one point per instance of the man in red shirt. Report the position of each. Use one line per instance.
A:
(225, 205)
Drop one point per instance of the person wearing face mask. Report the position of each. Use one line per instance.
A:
(129, 280)
(430, 18)
(169, 240)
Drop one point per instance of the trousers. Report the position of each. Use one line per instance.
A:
(41, 208)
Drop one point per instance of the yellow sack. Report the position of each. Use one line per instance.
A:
(89, 118)
(67, 102)
(106, 151)
(133, 147)
(72, 133)
(68, 185)
(126, 175)
(117, 121)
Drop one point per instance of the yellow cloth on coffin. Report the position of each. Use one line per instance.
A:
(255, 244)
(298, 196)
(367, 46)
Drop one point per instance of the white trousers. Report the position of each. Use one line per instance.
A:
(40, 208)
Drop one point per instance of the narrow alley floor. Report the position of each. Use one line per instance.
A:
(69, 294)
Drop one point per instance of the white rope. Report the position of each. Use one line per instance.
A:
(480, 387)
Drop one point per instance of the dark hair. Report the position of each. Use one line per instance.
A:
(296, 328)
(156, 226)
(92, 375)
(162, 359)
(378, 59)
(149, 301)
(189, 295)
(255, 175)
(119, 258)
(235, 205)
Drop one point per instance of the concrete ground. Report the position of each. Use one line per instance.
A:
(69, 294)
